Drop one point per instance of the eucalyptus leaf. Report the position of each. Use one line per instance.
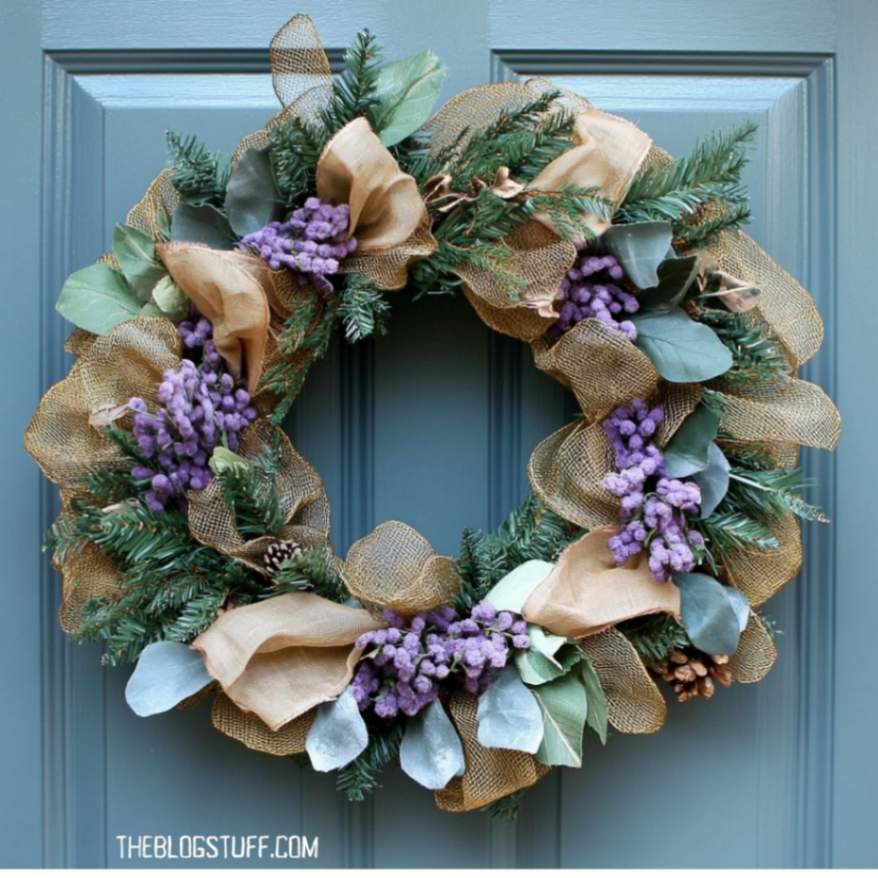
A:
(338, 734)
(509, 716)
(544, 642)
(564, 704)
(708, 615)
(682, 350)
(431, 752)
(223, 461)
(598, 710)
(251, 197)
(511, 592)
(170, 299)
(407, 91)
(675, 277)
(641, 248)
(135, 252)
(713, 480)
(97, 298)
(688, 450)
(535, 668)
(166, 673)
(202, 224)
(150, 309)
(740, 605)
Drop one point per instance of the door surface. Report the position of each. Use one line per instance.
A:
(433, 425)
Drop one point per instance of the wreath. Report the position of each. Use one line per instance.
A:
(194, 539)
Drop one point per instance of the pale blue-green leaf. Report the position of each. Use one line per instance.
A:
(675, 277)
(135, 252)
(598, 710)
(511, 592)
(509, 716)
(97, 298)
(150, 309)
(713, 480)
(709, 619)
(564, 704)
(740, 605)
(202, 224)
(544, 642)
(687, 452)
(223, 461)
(251, 197)
(171, 300)
(536, 669)
(431, 752)
(166, 673)
(407, 91)
(338, 734)
(641, 248)
(682, 350)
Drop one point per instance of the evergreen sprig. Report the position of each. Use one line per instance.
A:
(363, 310)
(654, 637)
(679, 190)
(507, 808)
(354, 90)
(295, 147)
(312, 570)
(200, 176)
(363, 776)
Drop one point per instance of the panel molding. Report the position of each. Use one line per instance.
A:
(815, 602)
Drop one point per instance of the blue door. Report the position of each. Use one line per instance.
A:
(434, 423)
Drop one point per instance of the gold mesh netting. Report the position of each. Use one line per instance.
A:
(87, 574)
(395, 567)
(756, 653)
(299, 489)
(490, 773)
(298, 62)
(635, 704)
(250, 731)
(761, 574)
(127, 361)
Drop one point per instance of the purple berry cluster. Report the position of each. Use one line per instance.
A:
(591, 289)
(200, 406)
(654, 506)
(312, 242)
(407, 663)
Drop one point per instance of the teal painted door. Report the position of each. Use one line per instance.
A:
(433, 425)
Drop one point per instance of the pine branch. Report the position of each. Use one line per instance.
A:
(654, 637)
(507, 808)
(363, 309)
(311, 571)
(200, 176)
(363, 776)
(295, 148)
(354, 91)
(697, 233)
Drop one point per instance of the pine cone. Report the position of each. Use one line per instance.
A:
(277, 553)
(693, 673)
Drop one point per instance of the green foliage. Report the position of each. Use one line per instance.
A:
(507, 808)
(200, 176)
(770, 494)
(295, 147)
(251, 492)
(362, 308)
(530, 532)
(97, 298)
(363, 776)
(702, 230)
(726, 530)
(312, 570)
(304, 339)
(680, 190)
(354, 92)
(654, 636)
(757, 357)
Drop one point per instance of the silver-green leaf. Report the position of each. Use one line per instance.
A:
(202, 224)
(709, 616)
(641, 248)
(251, 198)
(509, 716)
(511, 592)
(97, 298)
(564, 704)
(713, 480)
(170, 299)
(166, 673)
(135, 252)
(338, 734)
(431, 752)
(407, 91)
(682, 350)
(688, 449)
(598, 710)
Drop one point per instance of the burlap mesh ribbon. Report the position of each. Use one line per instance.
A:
(755, 655)
(128, 361)
(299, 489)
(87, 574)
(395, 567)
(254, 734)
(491, 773)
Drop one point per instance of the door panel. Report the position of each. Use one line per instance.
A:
(433, 424)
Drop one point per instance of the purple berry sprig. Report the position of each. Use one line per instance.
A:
(201, 406)
(591, 288)
(654, 506)
(312, 242)
(409, 663)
